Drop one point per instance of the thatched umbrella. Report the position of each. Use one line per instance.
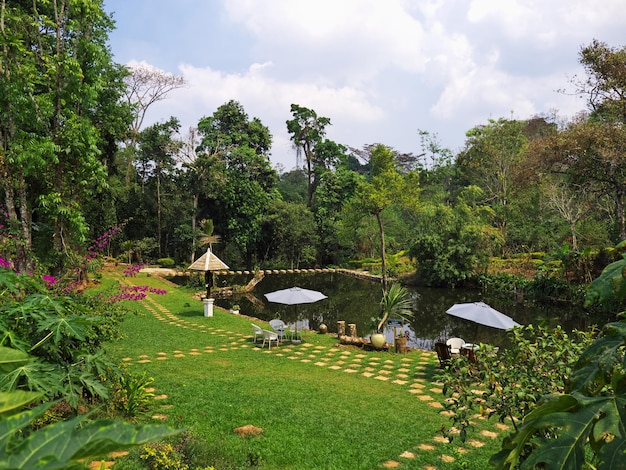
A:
(208, 262)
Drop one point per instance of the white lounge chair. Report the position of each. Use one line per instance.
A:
(269, 336)
(455, 345)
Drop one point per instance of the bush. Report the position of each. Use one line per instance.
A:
(166, 262)
(509, 383)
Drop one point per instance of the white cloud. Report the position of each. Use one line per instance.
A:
(379, 70)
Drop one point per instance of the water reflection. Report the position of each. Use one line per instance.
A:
(357, 301)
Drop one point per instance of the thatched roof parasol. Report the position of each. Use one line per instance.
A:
(208, 262)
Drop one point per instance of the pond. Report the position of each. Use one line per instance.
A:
(356, 301)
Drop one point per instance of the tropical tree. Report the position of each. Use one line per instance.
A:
(289, 235)
(383, 187)
(156, 161)
(490, 159)
(591, 149)
(307, 131)
(145, 86)
(452, 243)
(236, 150)
(58, 89)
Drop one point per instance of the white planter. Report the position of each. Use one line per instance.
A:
(378, 340)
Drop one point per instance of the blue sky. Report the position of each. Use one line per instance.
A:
(380, 70)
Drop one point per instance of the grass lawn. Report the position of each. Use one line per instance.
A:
(320, 406)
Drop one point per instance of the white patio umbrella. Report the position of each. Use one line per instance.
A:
(483, 314)
(295, 296)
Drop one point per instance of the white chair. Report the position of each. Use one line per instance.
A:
(455, 345)
(269, 336)
(279, 327)
(258, 331)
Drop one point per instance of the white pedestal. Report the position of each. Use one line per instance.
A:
(208, 307)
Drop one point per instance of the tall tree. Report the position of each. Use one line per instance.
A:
(307, 131)
(490, 159)
(145, 85)
(157, 149)
(385, 186)
(58, 85)
(239, 149)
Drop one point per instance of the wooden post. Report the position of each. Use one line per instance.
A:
(341, 328)
(352, 329)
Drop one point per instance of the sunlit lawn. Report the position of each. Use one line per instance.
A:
(320, 406)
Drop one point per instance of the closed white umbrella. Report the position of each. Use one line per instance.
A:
(295, 296)
(483, 314)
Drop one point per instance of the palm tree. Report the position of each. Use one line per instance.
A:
(395, 303)
(207, 237)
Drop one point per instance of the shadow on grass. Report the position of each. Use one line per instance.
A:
(431, 372)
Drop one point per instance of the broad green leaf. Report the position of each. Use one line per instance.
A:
(10, 425)
(53, 446)
(609, 284)
(599, 359)
(13, 401)
(11, 358)
(572, 421)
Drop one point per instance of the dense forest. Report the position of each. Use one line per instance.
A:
(80, 172)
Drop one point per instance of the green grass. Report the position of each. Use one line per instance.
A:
(320, 406)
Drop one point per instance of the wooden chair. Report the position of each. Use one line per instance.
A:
(443, 353)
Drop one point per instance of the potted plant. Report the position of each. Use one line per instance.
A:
(234, 309)
(394, 304)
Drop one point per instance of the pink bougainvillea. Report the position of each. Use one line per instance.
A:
(134, 293)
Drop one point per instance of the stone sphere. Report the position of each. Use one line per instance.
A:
(323, 329)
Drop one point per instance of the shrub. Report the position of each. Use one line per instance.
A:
(509, 383)
(166, 262)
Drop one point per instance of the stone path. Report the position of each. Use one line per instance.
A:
(409, 371)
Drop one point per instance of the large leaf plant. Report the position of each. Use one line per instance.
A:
(64, 444)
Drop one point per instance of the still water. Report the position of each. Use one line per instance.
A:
(357, 301)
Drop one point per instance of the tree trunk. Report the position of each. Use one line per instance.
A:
(194, 217)
(619, 207)
(159, 212)
(381, 229)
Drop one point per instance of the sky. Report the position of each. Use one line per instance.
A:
(381, 70)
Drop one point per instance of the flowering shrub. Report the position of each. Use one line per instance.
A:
(133, 269)
(102, 242)
(134, 293)
(49, 280)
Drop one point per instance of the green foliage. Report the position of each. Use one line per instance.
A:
(162, 455)
(64, 444)
(454, 244)
(132, 394)
(64, 333)
(508, 383)
(589, 416)
(395, 303)
(610, 284)
(584, 424)
(166, 262)
(61, 111)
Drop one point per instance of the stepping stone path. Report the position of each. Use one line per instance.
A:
(409, 372)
